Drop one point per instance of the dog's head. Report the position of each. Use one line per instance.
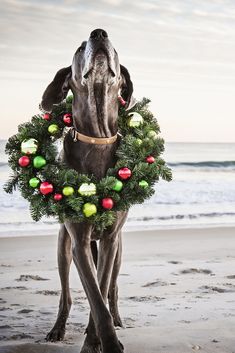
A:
(95, 62)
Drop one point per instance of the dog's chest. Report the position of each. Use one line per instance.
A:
(87, 158)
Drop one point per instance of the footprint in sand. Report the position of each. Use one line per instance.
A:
(148, 298)
(129, 322)
(24, 278)
(214, 289)
(124, 274)
(48, 292)
(20, 336)
(230, 276)
(17, 287)
(196, 270)
(5, 308)
(25, 311)
(158, 283)
(14, 304)
(4, 327)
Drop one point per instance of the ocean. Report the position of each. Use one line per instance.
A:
(202, 194)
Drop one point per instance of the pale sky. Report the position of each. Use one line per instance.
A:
(180, 54)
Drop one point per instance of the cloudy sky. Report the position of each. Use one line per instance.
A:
(180, 53)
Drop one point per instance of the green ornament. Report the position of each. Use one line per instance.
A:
(89, 209)
(118, 185)
(39, 162)
(87, 189)
(68, 191)
(135, 119)
(29, 146)
(53, 129)
(138, 141)
(152, 134)
(34, 182)
(143, 184)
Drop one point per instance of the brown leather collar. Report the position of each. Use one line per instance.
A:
(92, 140)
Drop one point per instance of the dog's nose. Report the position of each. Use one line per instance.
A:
(99, 34)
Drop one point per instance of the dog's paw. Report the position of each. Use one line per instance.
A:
(117, 321)
(117, 347)
(90, 348)
(56, 334)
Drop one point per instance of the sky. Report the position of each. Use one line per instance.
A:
(180, 54)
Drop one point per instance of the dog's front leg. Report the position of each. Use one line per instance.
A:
(113, 288)
(107, 256)
(82, 256)
(64, 255)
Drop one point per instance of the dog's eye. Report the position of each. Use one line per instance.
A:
(80, 49)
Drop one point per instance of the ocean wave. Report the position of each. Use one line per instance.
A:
(204, 164)
(130, 218)
(183, 216)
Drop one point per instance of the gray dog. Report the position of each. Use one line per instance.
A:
(96, 78)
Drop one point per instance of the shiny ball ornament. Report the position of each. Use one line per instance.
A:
(107, 203)
(122, 101)
(53, 129)
(150, 159)
(152, 134)
(39, 162)
(24, 161)
(34, 182)
(117, 186)
(67, 119)
(68, 191)
(138, 142)
(29, 146)
(89, 209)
(58, 197)
(46, 188)
(135, 119)
(124, 173)
(87, 189)
(143, 184)
(47, 116)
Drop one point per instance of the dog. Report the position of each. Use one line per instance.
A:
(96, 79)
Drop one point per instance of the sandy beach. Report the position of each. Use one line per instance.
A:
(176, 293)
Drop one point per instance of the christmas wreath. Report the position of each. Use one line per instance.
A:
(53, 189)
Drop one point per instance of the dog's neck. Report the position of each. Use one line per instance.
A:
(95, 113)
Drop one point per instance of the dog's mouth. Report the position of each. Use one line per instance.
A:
(99, 65)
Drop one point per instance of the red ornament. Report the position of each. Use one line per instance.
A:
(58, 197)
(47, 116)
(150, 159)
(67, 119)
(124, 173)
(24, 161)
(107, 203)
(122, 101)
(46, 188)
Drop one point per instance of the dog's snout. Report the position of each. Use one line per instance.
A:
(99, 34)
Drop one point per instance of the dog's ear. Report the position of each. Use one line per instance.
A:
(57, 90)
(127, 88)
